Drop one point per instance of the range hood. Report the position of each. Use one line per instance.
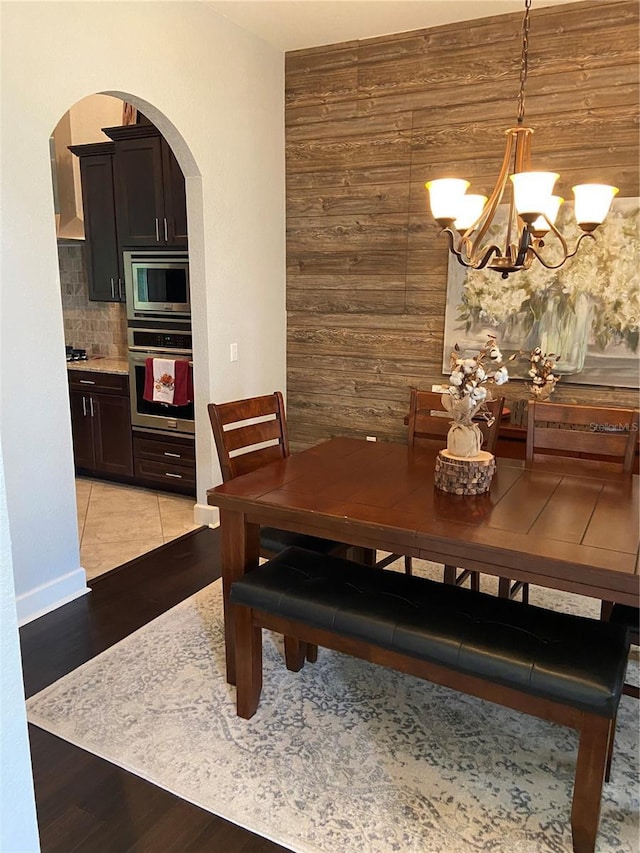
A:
(81, 124)
(67, 196)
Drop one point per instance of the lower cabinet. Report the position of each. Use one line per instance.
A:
(167, 461)
(105, 444)
(101, 423)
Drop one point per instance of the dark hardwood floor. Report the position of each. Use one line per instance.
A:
(83, 802)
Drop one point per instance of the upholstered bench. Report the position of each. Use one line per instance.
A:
(563, 668)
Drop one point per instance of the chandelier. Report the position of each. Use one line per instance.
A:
(467, 219)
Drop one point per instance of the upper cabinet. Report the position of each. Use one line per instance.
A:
(133, 195)
(104, 258)
(150, 190)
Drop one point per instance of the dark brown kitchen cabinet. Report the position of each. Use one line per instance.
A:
(167, 461)
(101, 422)
(104, 258)
(150, 194)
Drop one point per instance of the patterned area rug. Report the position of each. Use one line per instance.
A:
(343, 756)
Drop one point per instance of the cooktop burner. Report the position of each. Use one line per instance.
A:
(76, 354)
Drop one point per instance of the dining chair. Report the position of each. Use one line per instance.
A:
(252, 433)
(249, 434)
(605, 434)
(428, 419)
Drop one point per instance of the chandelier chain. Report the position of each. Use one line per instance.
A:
(524, 62)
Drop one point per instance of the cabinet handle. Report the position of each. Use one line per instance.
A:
(87, 382)
(157, 231)
(177, 476)
(166, 231)
(121, 289)
(176, 455)
(84, 406)
(113, 289)
(91, 404)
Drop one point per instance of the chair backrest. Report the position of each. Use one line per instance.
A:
(233, 435)
(569, 429)
(424, 424)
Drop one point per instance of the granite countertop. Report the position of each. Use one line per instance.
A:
(101, 364)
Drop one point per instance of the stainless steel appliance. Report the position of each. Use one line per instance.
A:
(157, 284)
(152, 342)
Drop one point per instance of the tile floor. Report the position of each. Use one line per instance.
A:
(117, 523)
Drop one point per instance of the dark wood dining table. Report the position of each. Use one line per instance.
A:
(559, 523)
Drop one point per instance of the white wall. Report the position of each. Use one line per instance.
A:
(18, 827)
(216, 93)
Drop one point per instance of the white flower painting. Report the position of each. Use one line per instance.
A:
(586, 313)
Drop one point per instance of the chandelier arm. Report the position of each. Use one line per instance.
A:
(525, 242)
(494, 200)
(491, 250)
(567, 254)
(451, 240)
(465, 259)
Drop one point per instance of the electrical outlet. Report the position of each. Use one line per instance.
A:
(371, 438)
(233, 352)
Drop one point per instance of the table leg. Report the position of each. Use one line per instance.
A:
(240, 552)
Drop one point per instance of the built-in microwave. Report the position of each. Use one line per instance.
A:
(156, 284)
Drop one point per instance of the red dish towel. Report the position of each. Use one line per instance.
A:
(182, 386)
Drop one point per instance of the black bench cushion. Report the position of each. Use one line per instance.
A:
(577, 661)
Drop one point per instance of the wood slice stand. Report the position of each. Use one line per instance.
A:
(460, 475)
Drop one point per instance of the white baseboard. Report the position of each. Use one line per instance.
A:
(205, 514)
(43, 599)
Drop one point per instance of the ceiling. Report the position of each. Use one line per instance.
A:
(296, 24)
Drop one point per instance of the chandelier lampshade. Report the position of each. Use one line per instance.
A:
(592, 204)
(469, 220)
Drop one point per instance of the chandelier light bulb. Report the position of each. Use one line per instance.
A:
(445, 197)
(532, 192)
(541, 226)
(592, 204)
(469, 209)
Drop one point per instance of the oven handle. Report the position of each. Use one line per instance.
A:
(168, 353)
(142, 357)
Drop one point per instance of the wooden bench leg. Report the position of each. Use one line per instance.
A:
(593, 750)
(248, 663)
(295, 653)
(312, 653)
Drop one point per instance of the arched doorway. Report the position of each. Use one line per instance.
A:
(124, 510)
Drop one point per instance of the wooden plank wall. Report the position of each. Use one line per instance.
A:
(367, 123)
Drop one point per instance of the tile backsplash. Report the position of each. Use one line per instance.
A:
(98, 327)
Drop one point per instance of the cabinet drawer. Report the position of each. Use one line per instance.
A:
(171, 452)
(165, 472)
(90, 380)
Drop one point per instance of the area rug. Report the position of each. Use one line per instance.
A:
(343, 756)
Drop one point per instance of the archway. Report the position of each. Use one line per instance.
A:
(103, 548)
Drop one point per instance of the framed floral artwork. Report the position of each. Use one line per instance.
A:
(587, 312)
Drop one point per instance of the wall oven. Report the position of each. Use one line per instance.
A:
(157, 284)
(158, 343)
